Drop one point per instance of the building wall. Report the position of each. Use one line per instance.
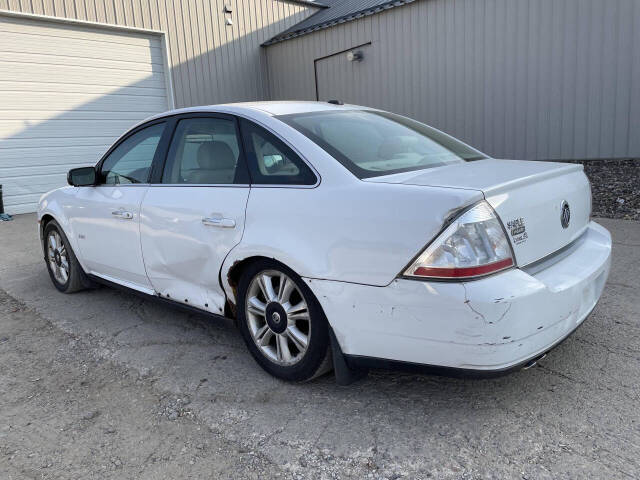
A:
(210, 61)
(67, 91)
(533, 79)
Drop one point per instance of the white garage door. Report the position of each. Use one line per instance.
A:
(66, 93)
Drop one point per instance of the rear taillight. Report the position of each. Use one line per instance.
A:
(473, 245)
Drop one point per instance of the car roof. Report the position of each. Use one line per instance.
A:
(288, 107)
(272, 108)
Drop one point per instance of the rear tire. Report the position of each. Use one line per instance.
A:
(63, 266)
(282, 323)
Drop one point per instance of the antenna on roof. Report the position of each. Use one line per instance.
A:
(335, 102)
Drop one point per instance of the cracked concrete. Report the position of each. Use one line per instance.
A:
(576, 415)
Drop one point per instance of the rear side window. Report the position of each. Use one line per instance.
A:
(371, 143)
(130, 162)
(270, 161)
(204, 151)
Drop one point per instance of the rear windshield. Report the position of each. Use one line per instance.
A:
(371, 143)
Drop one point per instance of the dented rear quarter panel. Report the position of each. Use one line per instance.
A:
(357, 232)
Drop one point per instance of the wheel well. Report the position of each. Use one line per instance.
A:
(234, 274)
(43, 224)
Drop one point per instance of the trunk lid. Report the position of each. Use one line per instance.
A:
(529, 197)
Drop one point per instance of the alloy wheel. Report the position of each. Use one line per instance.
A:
(57, 256)
(278, 317)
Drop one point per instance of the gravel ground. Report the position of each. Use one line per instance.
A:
(67, 413)
(615, 185)
(102, 384)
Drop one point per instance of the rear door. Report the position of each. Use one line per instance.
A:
(193, 213)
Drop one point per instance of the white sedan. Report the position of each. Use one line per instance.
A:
(336, 236)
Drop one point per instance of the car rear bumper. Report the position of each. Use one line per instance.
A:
(492, 324)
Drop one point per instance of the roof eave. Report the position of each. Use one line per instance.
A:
(336, 21)
(309, 3)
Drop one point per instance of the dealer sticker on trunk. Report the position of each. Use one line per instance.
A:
(518, 230)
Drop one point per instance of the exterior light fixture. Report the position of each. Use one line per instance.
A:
(354, 56)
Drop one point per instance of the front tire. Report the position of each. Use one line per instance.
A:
(65, 271)
(282, 322)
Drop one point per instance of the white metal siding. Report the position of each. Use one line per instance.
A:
(66, 93)
(339, 78)
(211, 62)
(47, 94)
(532, 79)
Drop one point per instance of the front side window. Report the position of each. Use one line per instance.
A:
(130, 161)
(204, 151)
(371, 143)
(271, 162)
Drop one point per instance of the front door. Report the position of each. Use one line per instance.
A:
(106, 218)
(194, 216)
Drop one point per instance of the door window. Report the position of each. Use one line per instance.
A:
(131, 160)
(205, 151)
(271, 161)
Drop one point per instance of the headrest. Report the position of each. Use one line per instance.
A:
(391, 147)
(215, 156)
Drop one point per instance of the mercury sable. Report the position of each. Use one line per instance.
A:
(336, 235)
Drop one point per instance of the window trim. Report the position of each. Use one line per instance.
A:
(158, 170)
(288, 144)
(122, 139)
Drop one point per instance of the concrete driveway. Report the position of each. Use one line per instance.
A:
(576, 415)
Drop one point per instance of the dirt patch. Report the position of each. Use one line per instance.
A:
(67, 414)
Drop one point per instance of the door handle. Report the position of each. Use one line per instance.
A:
(122, 214)
(219, 222)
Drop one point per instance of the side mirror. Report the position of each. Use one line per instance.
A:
(82, 177)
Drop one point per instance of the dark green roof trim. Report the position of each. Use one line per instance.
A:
(338, 11)
(309, 3)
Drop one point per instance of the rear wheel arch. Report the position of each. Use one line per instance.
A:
(233, 274)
